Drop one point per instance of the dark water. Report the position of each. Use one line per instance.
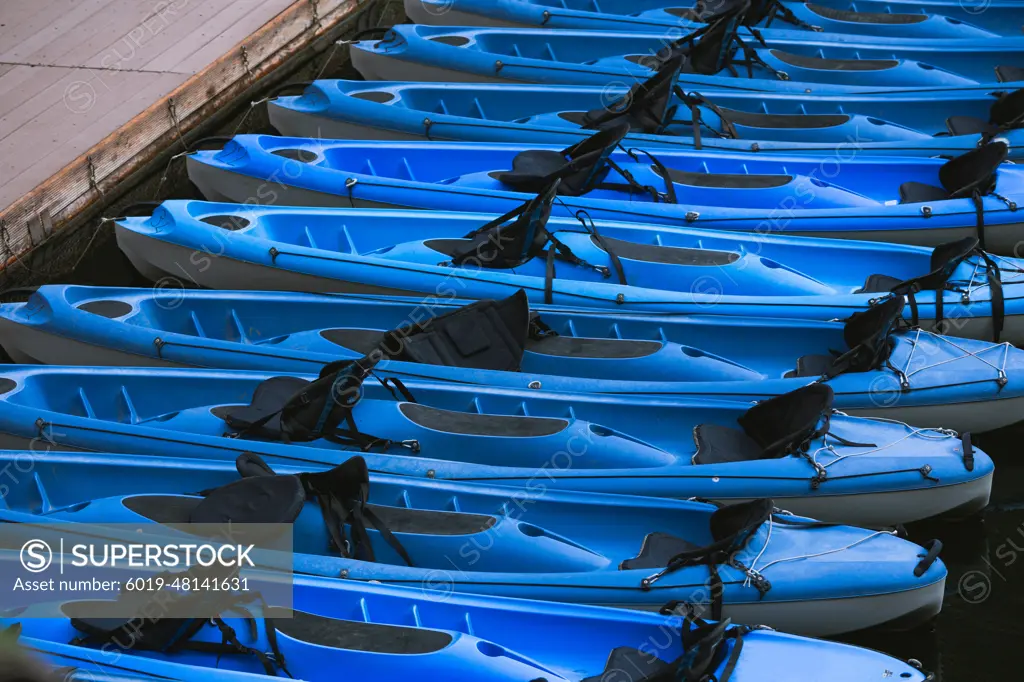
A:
(975, 637)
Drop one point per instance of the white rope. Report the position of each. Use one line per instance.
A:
(1000, 368)
(1015, 273)
(754, 571)
(933, 433)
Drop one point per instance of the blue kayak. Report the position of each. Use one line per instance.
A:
(393, 633)
(999, 16)
(793, 448)
(73, 664)
(788, 572)
(771, 18)
(918, 201)
(411, 52)
(919, 378)
(663, 269)
(838, 127)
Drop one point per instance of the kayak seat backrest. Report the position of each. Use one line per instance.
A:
(626, 664)
(789, 420)
(268, 398)
(579, 167)
(812, 366)
(725, 180)
(646, 107)
(488, 334)
(752, 119)
(717, 444)
(362, 341)
(672, 255)
(868, 341)
(1006, 113)
(576, 347)
(966, 125)
(864, 17)
(711, 53)
(656, 551)
(1008, 110)
(822, 64)
(1009, 74)
(473, 424)
(972, 171)
(877, 284)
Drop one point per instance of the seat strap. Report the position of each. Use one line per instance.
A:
(695, 100)
(584, 217)
(780, 11)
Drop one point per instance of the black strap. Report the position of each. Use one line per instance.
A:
(584, 218)
(968, 448)
(694, 101)
(670, 189)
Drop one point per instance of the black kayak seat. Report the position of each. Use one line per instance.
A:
(1007, 112)
(181, 509)
(725, 180)
(582, 347)
(670, 255)
(919, 192)
(966, 125)
(811, 366)
(823, 64)
(877, 284)
(717, 444)
(473, 424)
(864, 17)
(268, 397)
(656, 551)
(972, 171)
(1009, 74)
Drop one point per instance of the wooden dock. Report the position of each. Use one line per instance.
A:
(93, 90)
